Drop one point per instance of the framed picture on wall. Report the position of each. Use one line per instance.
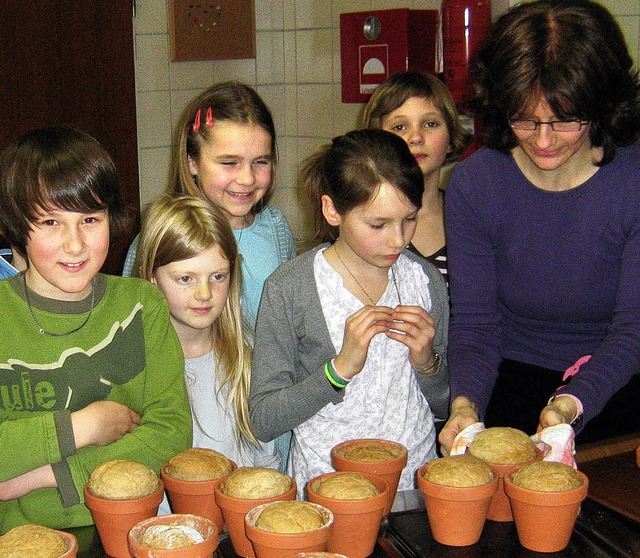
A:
(212, 30)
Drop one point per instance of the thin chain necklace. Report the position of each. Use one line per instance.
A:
(352, 275)
(393, 276)
(37, 322)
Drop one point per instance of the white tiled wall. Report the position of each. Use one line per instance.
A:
(296, 71)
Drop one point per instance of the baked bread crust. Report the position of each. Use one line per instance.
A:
(370, 451)
(345, 486)
(170, 536)
(32, 541)
(121, 479)
(503, 445)
(198, 464)
(547, 476)
(293, 516)
(256, 482)
(458, 470)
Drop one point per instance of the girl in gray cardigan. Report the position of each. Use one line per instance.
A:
(351, 336)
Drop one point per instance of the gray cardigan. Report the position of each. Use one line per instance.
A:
(288, 383)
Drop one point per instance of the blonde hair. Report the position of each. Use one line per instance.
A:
(231, 101)
(182, 227)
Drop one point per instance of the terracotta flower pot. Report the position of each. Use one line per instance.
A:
(234, 510)
(317, 555)
(194, 497)
(114, 518)
(390, 470)
(456, 514)
(268, 544)
(500, 508)
(203, 525)
(72, 545)
(556, 512)
(356, 522)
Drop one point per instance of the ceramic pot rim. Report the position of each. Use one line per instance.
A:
(96, 503)
(457, 493)
(203, 525)
(188, 486)
(362, 505)
(546, 498)
(245, 504)
(377, 467)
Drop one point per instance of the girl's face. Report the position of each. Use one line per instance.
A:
(421, 124)
(65, 251)
(235, 168)
(196, 290)
(377, 232)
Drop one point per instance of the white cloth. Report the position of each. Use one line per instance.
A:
(384, 399)
(214, 423)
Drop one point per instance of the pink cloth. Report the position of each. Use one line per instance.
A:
(555, 442)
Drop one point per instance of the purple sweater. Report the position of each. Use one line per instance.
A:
(544, 277)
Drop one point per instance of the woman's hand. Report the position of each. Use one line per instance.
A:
(562, 410)
(463, 413)
(417, 332)
(102, 422)
(359, 329)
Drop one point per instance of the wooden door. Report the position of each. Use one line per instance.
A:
(71, 62)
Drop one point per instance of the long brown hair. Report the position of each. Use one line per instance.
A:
(229, 100)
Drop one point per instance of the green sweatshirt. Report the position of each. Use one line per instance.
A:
(127, 352)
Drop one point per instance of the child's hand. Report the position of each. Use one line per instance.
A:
(359, 330)
(412, 326)
(102, 423)
(20, 486)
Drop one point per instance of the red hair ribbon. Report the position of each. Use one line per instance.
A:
(209, 120)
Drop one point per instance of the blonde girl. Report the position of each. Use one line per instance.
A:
(419, 108)
(187, 249)
(225, 152)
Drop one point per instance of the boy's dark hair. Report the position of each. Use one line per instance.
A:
(573, 53)
(56, 167)
(351, 169)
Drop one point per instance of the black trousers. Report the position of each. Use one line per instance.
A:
(522, 390)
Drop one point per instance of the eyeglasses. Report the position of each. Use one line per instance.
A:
(556, 125)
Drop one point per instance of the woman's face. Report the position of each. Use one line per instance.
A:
(235, 168)
(423, 126)
(549, 150)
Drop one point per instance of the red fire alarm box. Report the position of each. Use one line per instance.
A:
(377, 44)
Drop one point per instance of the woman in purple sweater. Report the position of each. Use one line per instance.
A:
(543, 228)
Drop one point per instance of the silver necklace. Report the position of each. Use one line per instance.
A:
(37, 322)
(352, 275)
